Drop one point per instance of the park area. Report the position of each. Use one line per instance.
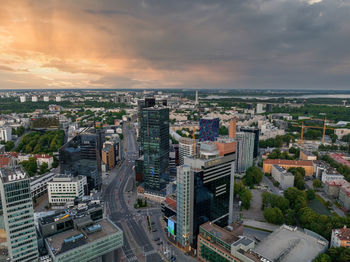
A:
(318, 207)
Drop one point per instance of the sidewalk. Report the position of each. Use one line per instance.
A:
(258, 224)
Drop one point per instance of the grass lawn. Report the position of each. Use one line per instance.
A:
(317, 206)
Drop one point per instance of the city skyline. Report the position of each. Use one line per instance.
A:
(174, 44)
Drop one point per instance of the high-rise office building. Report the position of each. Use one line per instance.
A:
(82, 156)
(269, 108)
(244, 151)
(184, 205)
(197, 101)
(208, 129)
(141, 104)
(154, 137)
(232, 129)
(17, 212)
(259, 109)
(186, 148)
(255, 130)
(212, 187)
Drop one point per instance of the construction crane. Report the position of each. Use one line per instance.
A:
(324, 127)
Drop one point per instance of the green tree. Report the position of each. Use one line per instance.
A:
(299, 181)
(316, 183)
(323, 258)
(253, 176)
(30, 166)
(44, 167)
(246, 197)
(223, 131)
(290, 217)
(296, 197)
(9, 145)
(273, 215)
(310, 194)
(55, 162)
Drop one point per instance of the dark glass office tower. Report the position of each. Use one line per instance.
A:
(255, 131)
(141, 104)
(82, 156)
(154, 137)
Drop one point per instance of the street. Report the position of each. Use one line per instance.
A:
(137, 245)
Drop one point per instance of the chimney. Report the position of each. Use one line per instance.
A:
(232, 129)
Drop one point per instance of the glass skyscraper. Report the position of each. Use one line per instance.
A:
(82, 156)
(154, 137)
(244, 151)
(255, 131)
(18, 215)
(208, 129)
(212, 187)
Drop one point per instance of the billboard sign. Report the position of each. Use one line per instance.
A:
(171, 227)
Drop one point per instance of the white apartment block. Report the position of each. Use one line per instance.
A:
(22, 99)
(65, 188)
(282, 176)
(185, 149)
(46, 98)
(328, 175)
(34, 99)
(6, 133)
(38, 184)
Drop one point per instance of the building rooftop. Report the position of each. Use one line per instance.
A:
(290, 244)
(74, 238)
(340, 159)
(220, 233)
(288, 162)
(76, 212)
(11, 174)
(308, 153)
(66, 178)
(338, 182)
(342, 233)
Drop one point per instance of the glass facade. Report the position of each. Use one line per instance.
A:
(211, 199)
(210, 255)
(208, 129)
(82, 156)
(92, 250)
(255, 131)
(154, 136)
(18, 218)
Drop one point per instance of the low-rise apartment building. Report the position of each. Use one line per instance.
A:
(65, 188)
(286, 164)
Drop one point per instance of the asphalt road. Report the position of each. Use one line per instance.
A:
(137, 245)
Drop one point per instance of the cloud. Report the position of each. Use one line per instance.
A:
(6, 68)
(175, 44)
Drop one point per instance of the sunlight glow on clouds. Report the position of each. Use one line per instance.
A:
(174, 44)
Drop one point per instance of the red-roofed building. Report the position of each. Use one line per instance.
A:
(286, 164)
(339, 189)
(340, 158)
(44, 158)
(340, 237)
(4, 161)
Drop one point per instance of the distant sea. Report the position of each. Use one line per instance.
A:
(279, 96)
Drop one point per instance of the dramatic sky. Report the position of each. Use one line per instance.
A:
(175, 44)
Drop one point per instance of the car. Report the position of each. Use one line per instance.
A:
(152, 223)
(158, 243)
(156, 239)
(154, 230)
(172, 258)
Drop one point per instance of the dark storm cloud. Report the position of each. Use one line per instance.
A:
(202, 44)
